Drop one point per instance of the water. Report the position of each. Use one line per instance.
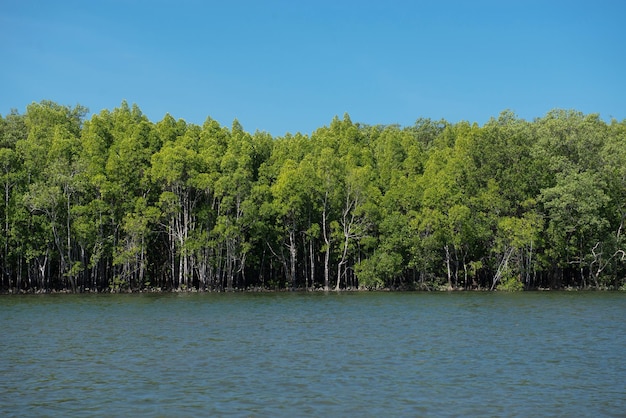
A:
(296, 354)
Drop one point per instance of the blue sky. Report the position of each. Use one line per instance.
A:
(290, 66)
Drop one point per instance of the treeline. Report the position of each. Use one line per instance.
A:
(120, 203)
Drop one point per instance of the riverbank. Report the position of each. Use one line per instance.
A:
(423, 289)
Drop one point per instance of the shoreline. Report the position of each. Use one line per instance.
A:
(443, 289)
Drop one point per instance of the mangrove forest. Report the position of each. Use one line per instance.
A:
(116, 202)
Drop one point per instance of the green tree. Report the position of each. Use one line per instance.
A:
(329, 177)
(288, 208)
(232, 191)
(8, 171)
(575, 209)
(176, 165)
(360, 197)
(52, 169)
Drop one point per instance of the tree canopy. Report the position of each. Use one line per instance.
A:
(117, 202)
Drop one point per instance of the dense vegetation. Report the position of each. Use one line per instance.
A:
(118, 202)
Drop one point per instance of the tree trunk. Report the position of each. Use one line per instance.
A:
(312, 255)
(5, 260)
(343, 261)
(327, 252)
(448, 267)
(292, 256)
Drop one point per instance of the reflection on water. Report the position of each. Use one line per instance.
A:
(284, 354)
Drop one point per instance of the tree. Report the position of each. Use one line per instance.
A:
(9, 178)
(288, 206)
(516, 239)
(329, 177)
(176, 165)
(50, 155)
(360, 197)
(232, 191)
(575, 209)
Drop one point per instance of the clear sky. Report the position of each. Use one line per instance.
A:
(290, 66)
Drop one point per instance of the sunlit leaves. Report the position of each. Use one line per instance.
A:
(120, 200)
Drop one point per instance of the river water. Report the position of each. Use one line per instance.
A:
(314, 354)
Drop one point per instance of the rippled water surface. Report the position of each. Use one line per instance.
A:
(299, 354)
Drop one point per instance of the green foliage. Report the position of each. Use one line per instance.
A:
(510, 283)
(118, 202)
(118, 284)
(380, 270)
